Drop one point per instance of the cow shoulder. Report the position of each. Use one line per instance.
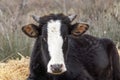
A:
(84, 41)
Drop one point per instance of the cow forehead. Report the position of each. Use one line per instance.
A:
(54, 26)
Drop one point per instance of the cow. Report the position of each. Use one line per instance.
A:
(63, 52)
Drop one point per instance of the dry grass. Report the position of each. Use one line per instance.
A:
(14, 69)
(119, 52)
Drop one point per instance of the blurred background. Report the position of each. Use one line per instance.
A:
(102, 15)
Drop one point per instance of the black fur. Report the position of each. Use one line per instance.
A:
(86, 57)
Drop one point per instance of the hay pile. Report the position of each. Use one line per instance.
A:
(14, 69)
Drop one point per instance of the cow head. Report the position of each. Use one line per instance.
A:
(54, 30)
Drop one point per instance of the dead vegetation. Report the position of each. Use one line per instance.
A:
(16, 69)
(119, 52)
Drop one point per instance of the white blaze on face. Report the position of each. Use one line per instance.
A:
(55, 43)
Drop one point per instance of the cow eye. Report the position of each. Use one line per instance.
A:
(44, 39)
(65, 38)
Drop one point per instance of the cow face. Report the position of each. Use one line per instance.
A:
(54, 31)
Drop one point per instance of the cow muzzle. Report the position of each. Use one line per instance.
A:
(56, 69)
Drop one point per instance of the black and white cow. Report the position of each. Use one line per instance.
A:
(63, 52)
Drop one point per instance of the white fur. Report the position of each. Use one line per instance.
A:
(55, 43)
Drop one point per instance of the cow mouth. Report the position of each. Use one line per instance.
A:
(57, 73)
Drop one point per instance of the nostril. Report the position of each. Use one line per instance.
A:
(60, 66)
(51, 66)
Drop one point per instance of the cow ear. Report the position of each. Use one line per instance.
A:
(31, 30)
(79, 28)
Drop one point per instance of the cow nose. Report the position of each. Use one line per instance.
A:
(56, 68)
